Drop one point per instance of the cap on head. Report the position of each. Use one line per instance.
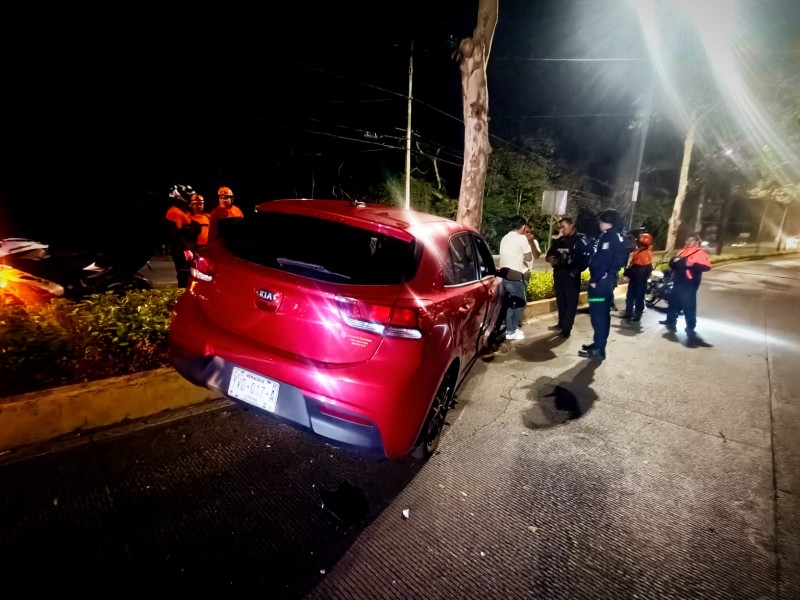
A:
(645, 239)
(225, 192)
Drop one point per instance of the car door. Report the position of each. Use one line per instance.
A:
(487, 272)
(468, 296)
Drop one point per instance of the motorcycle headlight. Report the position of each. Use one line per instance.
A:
(656, 275)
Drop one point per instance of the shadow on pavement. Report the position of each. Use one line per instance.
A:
(556, 401)
(687, 341)
(532, 349)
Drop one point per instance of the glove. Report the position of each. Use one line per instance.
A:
(187, 254)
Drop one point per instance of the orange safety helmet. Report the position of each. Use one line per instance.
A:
(645, 239)
(225, 191)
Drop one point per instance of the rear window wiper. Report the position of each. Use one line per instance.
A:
(290, 262)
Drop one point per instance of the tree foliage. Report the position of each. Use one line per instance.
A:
(514, 186)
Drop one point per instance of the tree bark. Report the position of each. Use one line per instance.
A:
(698, 221)
(675, 219)
(761, 224)
(779, 245)
(473, 56)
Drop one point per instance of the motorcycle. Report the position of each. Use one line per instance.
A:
(659, 286)
(33, 272)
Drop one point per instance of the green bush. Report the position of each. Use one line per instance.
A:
(541, 284)
(67, 342)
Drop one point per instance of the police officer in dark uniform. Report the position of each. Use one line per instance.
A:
(569, 255)
(604, 266)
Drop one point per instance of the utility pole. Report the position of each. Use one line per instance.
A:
(408, 126)
(642, 141)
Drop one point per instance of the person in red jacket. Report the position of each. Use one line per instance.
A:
(688, 268)
(225, 210)
(638, 272)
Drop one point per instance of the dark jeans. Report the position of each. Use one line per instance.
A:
(601, 298)
(515, 298)
(634, 301)
(568, 288)
(683, 298)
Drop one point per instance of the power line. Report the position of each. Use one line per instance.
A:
(352, 139)
(565, 116)
(525, 151)
(533, 59)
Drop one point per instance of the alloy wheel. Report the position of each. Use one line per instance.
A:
(434, 423)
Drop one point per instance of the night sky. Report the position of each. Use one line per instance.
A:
(103, 112)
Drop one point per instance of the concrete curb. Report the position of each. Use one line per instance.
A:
(50, 414)
(539, 308)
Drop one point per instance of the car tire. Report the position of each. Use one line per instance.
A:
(431, 432)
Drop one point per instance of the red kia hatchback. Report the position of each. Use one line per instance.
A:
(355, 321)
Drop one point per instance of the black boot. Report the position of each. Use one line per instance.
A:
(594, 354)
(670, 325)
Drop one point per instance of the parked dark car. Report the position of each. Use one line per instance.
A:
(356, 321)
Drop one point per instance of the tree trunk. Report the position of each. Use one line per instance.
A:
(761, 224)
(723, 221)
(675, 219)
(473, 56)
(779, 245)
(698, 221)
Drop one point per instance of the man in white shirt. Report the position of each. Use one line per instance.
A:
(535, 249)
(515, 253)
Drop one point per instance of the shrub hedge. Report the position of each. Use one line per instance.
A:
(67, 342)
(541, 286)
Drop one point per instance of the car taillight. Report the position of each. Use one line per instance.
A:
(201, 269)
(380, 318)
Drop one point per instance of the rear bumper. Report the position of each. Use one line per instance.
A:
(293, 405)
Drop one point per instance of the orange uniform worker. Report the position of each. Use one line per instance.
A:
(181, 231)
(688, 268)
(638, 272)
(225, 210)
(201, 217)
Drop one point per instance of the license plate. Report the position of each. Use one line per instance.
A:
(254, 389)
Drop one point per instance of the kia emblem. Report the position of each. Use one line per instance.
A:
(268, 300)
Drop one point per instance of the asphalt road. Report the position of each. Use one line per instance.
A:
(666, 471)
(160, 270)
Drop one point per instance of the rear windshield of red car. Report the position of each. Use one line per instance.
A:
(323, 250)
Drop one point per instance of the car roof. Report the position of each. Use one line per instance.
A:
(384, 215)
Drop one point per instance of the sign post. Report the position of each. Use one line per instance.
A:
(554, 203)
